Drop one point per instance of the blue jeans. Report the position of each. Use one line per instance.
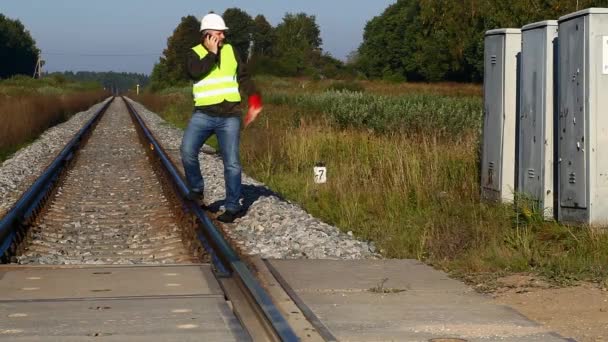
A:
(227, 130)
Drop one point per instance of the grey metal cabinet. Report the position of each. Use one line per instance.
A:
(536, 114)
(501, 53)
(583, 117)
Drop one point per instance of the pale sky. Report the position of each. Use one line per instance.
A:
(130, 35)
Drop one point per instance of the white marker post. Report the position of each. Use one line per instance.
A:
(320, 173)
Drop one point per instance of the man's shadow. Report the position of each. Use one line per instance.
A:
(250, 194)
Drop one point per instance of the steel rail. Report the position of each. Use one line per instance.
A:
(34, 196)
(226, 259)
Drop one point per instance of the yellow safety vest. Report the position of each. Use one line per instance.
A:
(221, 83)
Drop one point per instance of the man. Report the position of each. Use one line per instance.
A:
(220, 76)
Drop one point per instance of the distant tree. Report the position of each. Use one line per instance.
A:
(300, 27)
(240, 30)
(171, 68)
(263, 35)
(352, 58)
(447, 31)
(389, 43)
(328, 66)
(297, 43)
(262, 60)
(159, 78)
(18, 51)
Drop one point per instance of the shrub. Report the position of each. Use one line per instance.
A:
(415, 113)
(346, 86)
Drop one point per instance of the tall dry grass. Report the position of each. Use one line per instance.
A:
(394, 189)
(416, 195)
(24, 117)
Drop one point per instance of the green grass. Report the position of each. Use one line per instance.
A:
(7, 152)
(56, 85)
(403, 172)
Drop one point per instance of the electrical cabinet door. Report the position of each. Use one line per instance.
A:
(572, 102)
(532, 111)
(493, 112)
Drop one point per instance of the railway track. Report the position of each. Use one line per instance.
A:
(113, 197)
(110, 208)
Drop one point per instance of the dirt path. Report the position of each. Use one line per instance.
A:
(579, 312)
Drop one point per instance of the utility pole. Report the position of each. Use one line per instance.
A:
(251, 47)
(38, 69)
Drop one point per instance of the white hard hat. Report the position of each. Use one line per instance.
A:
(213, 21)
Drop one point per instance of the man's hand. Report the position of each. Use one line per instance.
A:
(255, 107)
(211, 43)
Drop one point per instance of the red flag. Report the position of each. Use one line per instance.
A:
(255, 107)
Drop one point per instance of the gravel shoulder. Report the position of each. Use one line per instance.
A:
(579, 312)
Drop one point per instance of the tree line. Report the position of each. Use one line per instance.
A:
(292, 48)
(433, 40)
(111, 80)
(417, 40)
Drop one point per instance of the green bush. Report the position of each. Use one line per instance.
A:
(414, 113)
(394, 77)
(346, 86)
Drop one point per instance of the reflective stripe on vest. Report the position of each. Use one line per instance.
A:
(221, 83)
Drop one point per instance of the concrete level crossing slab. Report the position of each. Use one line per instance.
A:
(115, 303)
(38, 282)
(400, 300)
(184, 319)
